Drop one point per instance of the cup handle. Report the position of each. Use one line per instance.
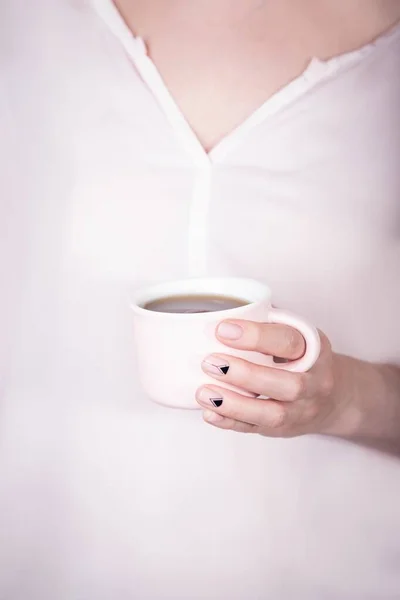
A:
(308, 331)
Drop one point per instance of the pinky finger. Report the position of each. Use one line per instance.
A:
(221, 422)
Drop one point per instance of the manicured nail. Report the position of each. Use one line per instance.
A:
(207, 397)
(215, 366)
(230, 331)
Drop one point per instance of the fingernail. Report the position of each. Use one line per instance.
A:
(212, 417)
(215, 366)
(230, 331)
(207, 397)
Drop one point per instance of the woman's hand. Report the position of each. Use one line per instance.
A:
(328, 399)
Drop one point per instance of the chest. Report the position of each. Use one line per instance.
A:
(222, 60)
(307, 199)
(130, 194)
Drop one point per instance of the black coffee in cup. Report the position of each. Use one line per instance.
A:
(194, 303)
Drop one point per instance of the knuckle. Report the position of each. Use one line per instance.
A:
(326, 385)
(257, 336)
(277, 417)
(326, 346)
(312, 412)
(292, 344)
(299, 385)
(245, 374)
(235, 413)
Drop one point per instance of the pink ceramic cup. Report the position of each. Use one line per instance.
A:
(170, 347)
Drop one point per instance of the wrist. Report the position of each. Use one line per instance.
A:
(347, 415)
(366, 403)
(356, 397)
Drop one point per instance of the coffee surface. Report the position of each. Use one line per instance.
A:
(199, 303)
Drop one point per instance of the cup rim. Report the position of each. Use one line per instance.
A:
(219, 285)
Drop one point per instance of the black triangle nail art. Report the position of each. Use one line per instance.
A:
(217, 402)
(224, 369)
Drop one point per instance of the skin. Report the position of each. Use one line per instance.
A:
(340, 396)
(221, 60)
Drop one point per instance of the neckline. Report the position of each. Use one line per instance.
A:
(316, 71)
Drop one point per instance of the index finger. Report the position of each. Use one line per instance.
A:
(276, 340)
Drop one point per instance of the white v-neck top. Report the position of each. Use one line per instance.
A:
(104, 187)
